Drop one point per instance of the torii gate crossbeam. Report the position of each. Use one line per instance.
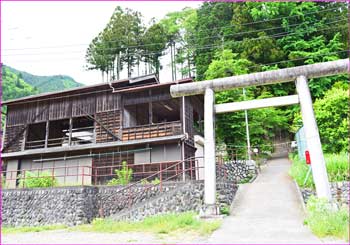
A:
(298, 74)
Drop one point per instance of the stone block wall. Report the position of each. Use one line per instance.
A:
(79, 205)
(46, 206)
(189, 197)
(236, 170)
(340, 192)
(112, 199)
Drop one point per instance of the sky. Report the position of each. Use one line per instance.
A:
(51, 38)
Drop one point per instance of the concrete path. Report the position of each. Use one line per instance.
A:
(268, 210)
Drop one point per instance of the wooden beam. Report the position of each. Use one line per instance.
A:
(255, 104)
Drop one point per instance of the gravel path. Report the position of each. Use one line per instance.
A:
(70, 237)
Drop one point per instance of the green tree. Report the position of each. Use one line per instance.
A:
(212, 18)
(117, 44)
(332, 118)
(231, 126)
(180, 27)
(154, 41)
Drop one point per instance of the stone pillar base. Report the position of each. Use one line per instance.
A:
(210, 212)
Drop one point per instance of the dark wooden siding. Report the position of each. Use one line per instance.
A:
(60, 109)
(146, 96)
(107, 101)
(14, 136)
(16, 115)
(83, 105)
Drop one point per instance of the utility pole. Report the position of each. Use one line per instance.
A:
(247, 130)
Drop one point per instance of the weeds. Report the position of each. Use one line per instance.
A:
(40, 179)
(336, 164)
(325, 220)
(9, 230)
(123, 176)
(160, 224)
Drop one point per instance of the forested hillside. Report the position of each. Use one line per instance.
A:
(13, 86)
(223, 39)
(46, 83)
(17, 84)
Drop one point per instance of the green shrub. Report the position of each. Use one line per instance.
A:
(145, 182)
(38, 179)
(336, 164)
(325, 220)
(225, 209)
(123, 176)
(3, 181)
(156, 181)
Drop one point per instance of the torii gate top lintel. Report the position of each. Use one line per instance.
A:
(262, 78)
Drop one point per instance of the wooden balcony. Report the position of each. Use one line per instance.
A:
(152, 131)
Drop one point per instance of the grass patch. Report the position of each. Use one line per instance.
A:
(324, 220)
(336, 164)
(159, 224)
(10, 230)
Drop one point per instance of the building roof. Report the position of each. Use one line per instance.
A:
(123, 85)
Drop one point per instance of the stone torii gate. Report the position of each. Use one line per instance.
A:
(300, 75)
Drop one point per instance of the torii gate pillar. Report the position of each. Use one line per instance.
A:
(209, 154)
(313, 141)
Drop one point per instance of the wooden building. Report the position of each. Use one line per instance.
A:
(84, 134)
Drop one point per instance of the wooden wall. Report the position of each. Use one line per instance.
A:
(106, 106)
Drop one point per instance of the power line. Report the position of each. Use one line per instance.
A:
(228, 26)
(210, 37)
(203, 47)
(102, 91)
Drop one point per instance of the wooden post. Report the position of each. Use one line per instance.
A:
(70, 131)
(47, 133)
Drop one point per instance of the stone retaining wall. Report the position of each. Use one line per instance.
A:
(79, 205)
(112, 200)
(340, 192)
(45, 206)
(237, 171)
(189, 197)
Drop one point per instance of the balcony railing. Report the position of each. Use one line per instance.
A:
(86, 135)
(152, 131)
